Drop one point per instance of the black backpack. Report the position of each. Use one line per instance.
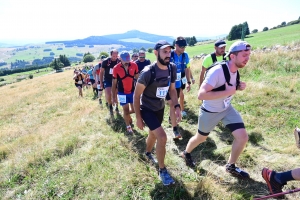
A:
(214, 57)
(153, 73)
(226, 75)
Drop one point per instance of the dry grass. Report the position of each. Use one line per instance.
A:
(55, 145)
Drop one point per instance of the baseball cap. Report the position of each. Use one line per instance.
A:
(220, 43)
(103, 57)
(125, 56)
(181, 43)
(238, 46)
(161, 44)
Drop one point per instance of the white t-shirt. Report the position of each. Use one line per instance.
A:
(215, 77)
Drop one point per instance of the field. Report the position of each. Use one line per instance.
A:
(55, 145)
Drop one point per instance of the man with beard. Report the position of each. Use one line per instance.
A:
(106, 73)
(216, 92)
(217, 56)
(151, 89)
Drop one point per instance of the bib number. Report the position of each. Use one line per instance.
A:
(98, 86)
(79, 82)
(227, 101)
(111, 71)
(184, 80)
(161, 92)
(122, 98)
(178, 76)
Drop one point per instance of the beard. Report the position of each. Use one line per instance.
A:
(163, 62)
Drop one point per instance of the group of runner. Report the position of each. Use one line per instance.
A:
(142, 87)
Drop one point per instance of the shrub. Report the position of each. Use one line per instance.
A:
(30, 76)
(266, 29)
(2, 79)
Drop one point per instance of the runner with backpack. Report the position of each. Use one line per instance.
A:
(217, 56)
(153, 84)
(106, 78)
(220, 84)
(181, 59)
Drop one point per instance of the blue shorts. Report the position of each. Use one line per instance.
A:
(152, 119)
(125, 98)
(107, 84)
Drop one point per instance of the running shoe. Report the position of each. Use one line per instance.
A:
(297, 136)
(188, 159)
(151, 158)
(100, 101)
(235, 171)
(273, 185)
(165, 177)
(176, 134)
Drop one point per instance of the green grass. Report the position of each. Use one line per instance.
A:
(55, 145)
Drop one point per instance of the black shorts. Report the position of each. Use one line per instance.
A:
(168, 95)
(152, 119)
(182, 86)
(78, 85)
(92, 81)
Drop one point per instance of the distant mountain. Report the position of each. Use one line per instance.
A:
(199, 38)
(130, 40)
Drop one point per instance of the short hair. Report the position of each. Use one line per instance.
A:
(113, 50)
(180, 38)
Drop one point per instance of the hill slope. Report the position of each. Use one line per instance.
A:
(55, 145)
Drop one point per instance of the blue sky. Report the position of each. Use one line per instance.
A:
(44, 20)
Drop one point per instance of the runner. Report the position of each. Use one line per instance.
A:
(216, 91)
(91, 81)
(134, 57)
(106, 74)
(218, 55)
(123, 76)
(152, 87)
(78, 77)
(181, 59)
(96, 74)
(142, 62)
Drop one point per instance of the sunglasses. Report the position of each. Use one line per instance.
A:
(135, 56)
(142, 56)
(181, 47)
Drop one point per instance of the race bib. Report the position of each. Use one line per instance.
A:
(122, 98)
(98, 86)
(178, 75)
(161, 92)
(110, 70)
(227, 101)
(89, 83)
(79, 82)
(184, 80)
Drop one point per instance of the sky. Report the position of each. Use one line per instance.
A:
(49, 20)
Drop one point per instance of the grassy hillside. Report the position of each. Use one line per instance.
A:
(281, 36)
(55, 145)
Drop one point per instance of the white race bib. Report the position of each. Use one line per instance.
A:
(110, 70)
(122, 98)
(184, 80)
(79, 82)
(98, 86)
(178, 75)
(161, 92)
(89, 83)
(227, 101)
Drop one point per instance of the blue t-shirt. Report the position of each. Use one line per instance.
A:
(90, 73)
(181, 66)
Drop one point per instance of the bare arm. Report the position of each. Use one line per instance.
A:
(173, 96)
(203, 70)
(139, 89)
(101, 76)
(206, 93)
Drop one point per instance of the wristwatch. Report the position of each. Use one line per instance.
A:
(189, 82)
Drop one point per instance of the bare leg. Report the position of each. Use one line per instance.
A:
(238, 145)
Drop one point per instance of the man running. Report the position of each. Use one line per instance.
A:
(152, 87)
(220, 84)
(123, 76)
(106, 73)
(92, 80)
(96, 74)
(142, 61)
(218, 55)
(181, 60)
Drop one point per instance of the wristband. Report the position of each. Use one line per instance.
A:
(189, 82)
(177, 105)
